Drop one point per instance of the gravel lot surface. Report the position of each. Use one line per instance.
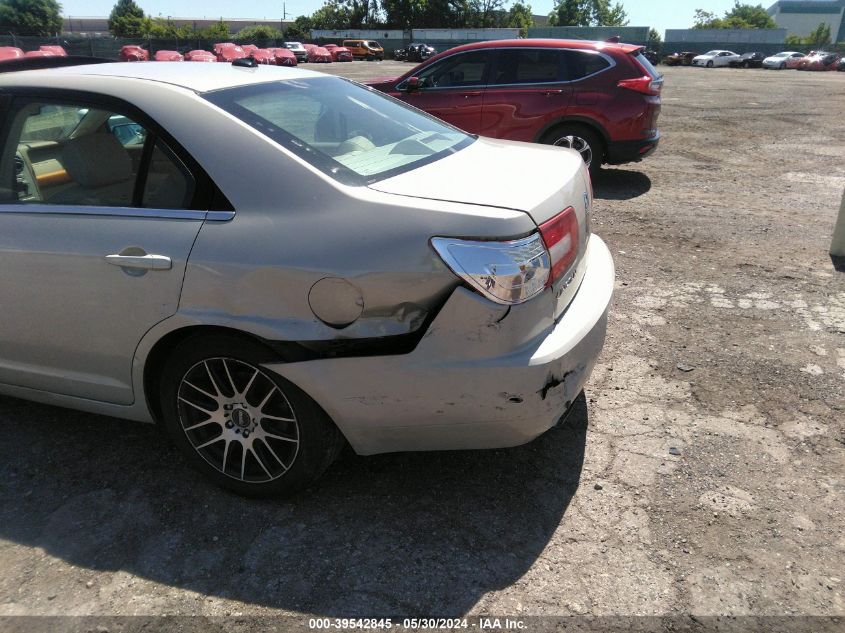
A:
(703, 472)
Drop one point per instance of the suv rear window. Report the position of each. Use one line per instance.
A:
(649, 68)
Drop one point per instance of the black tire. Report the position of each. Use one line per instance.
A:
(560, 135)
(710, 64)
(295, 417)
(782, 65)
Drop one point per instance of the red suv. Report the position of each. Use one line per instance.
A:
(599, 98)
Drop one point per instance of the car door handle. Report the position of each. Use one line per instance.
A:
(467, 95)
(549, 93)
(145, 261)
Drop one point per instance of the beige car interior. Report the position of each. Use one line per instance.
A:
(86, 165)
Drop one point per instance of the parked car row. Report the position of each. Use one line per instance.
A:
(13, 52)
(288, 55)
(814, 60)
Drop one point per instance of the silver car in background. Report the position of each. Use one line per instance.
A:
(715, 58)
(272, 262)
(298, 50)
(783, 60)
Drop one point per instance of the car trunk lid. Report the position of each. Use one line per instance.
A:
(539, 180)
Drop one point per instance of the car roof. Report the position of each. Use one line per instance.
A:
(590, 45)
(195, 77)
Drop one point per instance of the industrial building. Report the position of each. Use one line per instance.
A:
(800, 17)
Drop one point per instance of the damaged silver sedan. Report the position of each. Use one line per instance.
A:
(271, 263)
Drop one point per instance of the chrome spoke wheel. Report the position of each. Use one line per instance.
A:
(579, 145)
(238, 419)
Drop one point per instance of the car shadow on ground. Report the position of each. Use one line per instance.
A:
(410, 533)
(620, 184)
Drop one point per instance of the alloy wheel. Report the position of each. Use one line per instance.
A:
(238, 420)
(578, 144)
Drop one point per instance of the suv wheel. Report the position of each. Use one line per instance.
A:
(581, 139)
(242, 426)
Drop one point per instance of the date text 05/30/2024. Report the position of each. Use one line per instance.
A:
(415, 624)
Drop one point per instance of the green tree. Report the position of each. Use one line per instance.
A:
(332, 15)
(401, 14)
(520, 17)
(258, 32)
(588, 13)
(819, 37)
(794, 41)
(655, 42)
(485, 14)
(606, 14)
(161, 27)
(752, 16)
(300, 29)
(218, 31)
(127, 19)
(31, 17)
(741, 16)
(570, 13)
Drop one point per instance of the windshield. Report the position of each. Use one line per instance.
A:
(352, 133)
(783, 55)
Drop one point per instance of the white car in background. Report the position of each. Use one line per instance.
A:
(786, 59)
(715, 58)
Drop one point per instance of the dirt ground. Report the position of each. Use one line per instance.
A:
(703, 473)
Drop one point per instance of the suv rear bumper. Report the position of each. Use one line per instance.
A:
(630, 151)
(460, 388)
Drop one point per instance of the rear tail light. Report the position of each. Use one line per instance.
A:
(560, 235)
(514, 271)
(645, 85)
(508, 272)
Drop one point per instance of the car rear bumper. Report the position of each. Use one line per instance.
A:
(630, 151)
(461, 388)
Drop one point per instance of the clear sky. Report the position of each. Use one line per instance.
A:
(659, 14)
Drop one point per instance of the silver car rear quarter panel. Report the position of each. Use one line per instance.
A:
(464, 387)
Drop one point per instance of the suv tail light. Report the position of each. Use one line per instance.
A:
(645, 85)
(560, 235)
(514, 271)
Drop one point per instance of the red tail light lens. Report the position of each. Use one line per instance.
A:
(560, 235)
(645, 85)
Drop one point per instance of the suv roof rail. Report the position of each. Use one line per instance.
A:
(39, 63)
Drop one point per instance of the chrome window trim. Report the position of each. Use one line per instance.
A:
(612, 63)
(120, 212)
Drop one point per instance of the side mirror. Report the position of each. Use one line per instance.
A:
(413, 84)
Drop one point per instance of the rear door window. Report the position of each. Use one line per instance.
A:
(580, 64)
(74, 155)
(527, 66)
